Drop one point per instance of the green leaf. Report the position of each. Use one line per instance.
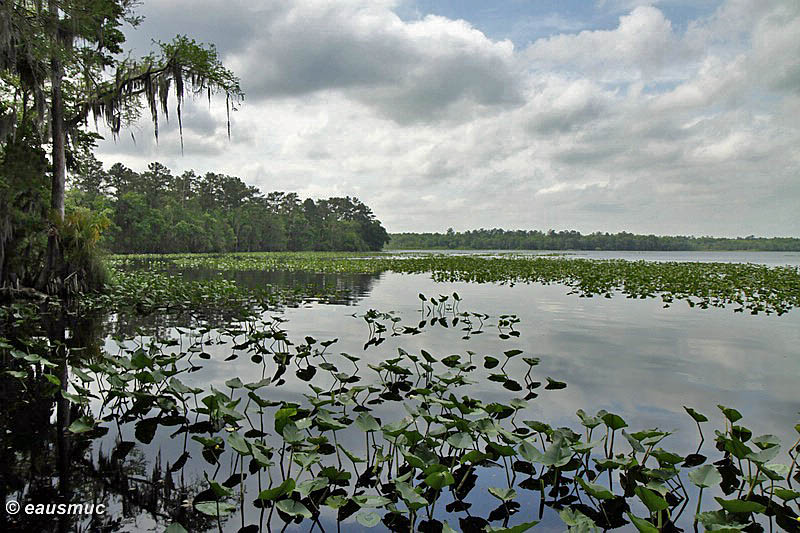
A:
(635, 444)
(368, 518)
(437, 480)
(371, 501)
(177, 385)
(447, 529)
(366, 422)
(220, 490)
(81, 425)
(775, 471)
(642, 525)
(293, 508)
(719, 521)
(175, 527)
(614, 422)
(595, 490)
(336, 502)
(739, 449)
(586, 420)
(326, 422)
(473, 456)
(410, 495)
(554, 384)
(234, 383)
(530, 452)
(766, 441)
(786, 494)
(653, 501)
(353, 457)
(282, 417)
(578, 520)
(214, 508)
(557, 454)
(258, 384)
(140, 360)
(740, 506)
(461, 441)
(705, 476)
(764, 455)
(698, 417)
(731, 414)
(503, 493)
(276, 492)
(239, 443)
(311, 485)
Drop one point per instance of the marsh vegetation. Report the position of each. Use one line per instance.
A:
(188, 398)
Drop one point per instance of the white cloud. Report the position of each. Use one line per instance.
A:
(640, 127)
(641, 47)
(408, 71)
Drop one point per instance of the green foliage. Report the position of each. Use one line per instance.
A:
(157, 212)
(24, 196)
(751, 287)
(499, 239)
(60, 64)
(80, 233)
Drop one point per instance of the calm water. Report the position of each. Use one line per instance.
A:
(631, 357)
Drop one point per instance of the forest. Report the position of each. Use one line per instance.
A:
(156, 211)
(499, 239)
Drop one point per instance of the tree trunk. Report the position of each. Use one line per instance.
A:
(59, 159)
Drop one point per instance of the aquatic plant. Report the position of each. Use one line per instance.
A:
(400, 442)
(746, 287)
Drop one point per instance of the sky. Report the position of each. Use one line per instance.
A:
(672, 117)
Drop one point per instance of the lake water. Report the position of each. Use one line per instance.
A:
(632, 357)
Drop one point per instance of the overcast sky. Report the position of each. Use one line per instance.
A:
(666, 117)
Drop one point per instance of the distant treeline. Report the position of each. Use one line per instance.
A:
(158, 212)
(498, 239)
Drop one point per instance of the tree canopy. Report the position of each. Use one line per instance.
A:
(499, 239)
(62, 63)
(156, 211)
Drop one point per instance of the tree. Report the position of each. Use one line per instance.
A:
(63, 56)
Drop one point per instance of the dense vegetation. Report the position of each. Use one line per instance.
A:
(751, 287)
(498, 239)
(62, 62)
(156, 211)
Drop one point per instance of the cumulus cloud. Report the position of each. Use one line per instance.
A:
(640, 125)
(643, 45)
(408, 71)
